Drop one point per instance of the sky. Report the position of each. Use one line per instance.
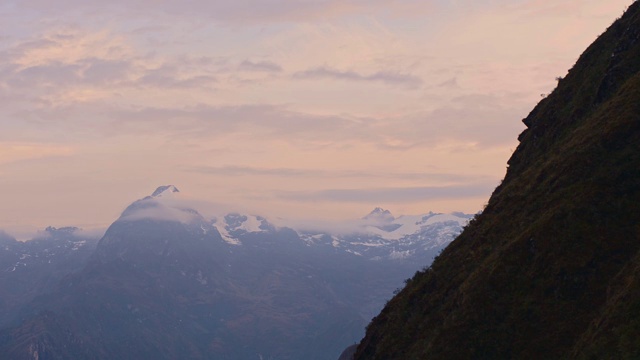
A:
(315, 109)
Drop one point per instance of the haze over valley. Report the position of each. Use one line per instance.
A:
(179, 285)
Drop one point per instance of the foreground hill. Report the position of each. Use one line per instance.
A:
(551, 268)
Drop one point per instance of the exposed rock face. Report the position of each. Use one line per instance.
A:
(551, 268)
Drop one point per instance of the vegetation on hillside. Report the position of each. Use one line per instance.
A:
(551, 268)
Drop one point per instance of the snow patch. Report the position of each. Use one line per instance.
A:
(411, 224)
(225, 234)
(399, 255)
(252, 224)
(78, 244)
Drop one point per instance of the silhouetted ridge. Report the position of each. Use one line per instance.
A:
(551, 268)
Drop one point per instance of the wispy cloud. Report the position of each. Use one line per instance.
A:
(227, 12)
(392, 194)
(233, 170)
(169, 78)
(451, 83)
(59, 75)
(159, 210)
(481, 126)
(260, 66)
(257, 119)
(323, 96)
(385, 77)
(15, 151)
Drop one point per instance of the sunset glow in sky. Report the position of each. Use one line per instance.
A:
(285, 108)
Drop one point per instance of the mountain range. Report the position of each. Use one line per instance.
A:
(164, 282)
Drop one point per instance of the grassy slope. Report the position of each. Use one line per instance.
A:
(551, 269)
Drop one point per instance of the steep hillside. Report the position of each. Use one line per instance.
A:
(551, 268)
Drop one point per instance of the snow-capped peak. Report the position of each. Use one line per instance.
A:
(406, 225)
(379, 214)
(165, 190)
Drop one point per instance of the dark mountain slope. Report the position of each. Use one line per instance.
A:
(551, 268)
(163, 283)
(29, 269)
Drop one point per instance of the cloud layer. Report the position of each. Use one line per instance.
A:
(391, 195)
(322, 107)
